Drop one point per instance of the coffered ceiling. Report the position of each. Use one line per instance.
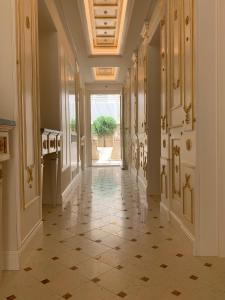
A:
(105, 21)
(105, 73)
(104, 42)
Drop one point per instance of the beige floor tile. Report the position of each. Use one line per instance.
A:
(93, 268)
(106, 243)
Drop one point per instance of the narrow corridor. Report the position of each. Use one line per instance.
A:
(108, 243)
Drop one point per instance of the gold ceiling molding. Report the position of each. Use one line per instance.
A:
(106, 25)
(105, 73)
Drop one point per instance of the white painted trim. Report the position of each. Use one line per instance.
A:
(12, 259)
(73, 184)
(165, 210)
(221, 126)
(176, 221)
(133, 173)
(206, 94)
(28, 238)
(142, 184)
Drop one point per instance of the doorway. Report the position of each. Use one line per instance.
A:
(154, 115)
(105, 129)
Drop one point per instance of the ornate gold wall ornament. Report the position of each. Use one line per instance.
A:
(162, 23)
(187, 186)
(187, 20)
(163, 122)
(30, 176)
(175, 15)
(187, 181)
(176, 150)
(163, 175)
(176, 190)
(176, 85)
(188, 144)
(187, 110)
(27, 22)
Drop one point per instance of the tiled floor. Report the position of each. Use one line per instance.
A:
(108, 243)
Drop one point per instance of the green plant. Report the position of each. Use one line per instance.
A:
(73, 124)
(104, 126)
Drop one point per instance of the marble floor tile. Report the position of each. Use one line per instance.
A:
(108, 242)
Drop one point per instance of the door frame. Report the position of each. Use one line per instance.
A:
(90, 90)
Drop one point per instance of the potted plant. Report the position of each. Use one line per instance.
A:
(104, 126)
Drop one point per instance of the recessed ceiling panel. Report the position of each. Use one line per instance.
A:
(105, 19)
(105, 2)
(105, 73)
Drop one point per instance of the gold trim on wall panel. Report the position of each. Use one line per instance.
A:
(134, 91)
(163, 180)
(163, 54)
(188, 191)
(188, 64)
(142, 89)
(27, 58)
(176, 54)
(165, 143)
(176, 168)
(135, 153)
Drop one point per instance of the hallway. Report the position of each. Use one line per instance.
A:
(108, 243)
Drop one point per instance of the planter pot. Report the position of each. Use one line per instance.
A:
(105, 153)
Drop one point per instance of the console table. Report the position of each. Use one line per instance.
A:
(5, 127)
(51, 177)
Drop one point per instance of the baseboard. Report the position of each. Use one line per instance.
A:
(175, 220)
(73, 184)
(142, 184)
(133, 173)
(12, 259)
(165, 210)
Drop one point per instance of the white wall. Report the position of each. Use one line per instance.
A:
(49, 80)
(221, 125)
(207, 105)
(154, 114)
(7, 59)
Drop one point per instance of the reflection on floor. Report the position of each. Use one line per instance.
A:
(106, 162)
(107, 243)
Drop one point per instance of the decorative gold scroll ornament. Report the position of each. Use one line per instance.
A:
(27, 22)
(176, 150)
(163, 122)
(188, 144)
(187, 110)
(163, 174)
(187, 186)
(30, 176)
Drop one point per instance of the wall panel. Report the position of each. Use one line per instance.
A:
(28, 99)
(175, 20)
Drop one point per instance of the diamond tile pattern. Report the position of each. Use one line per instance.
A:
(119, 249)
